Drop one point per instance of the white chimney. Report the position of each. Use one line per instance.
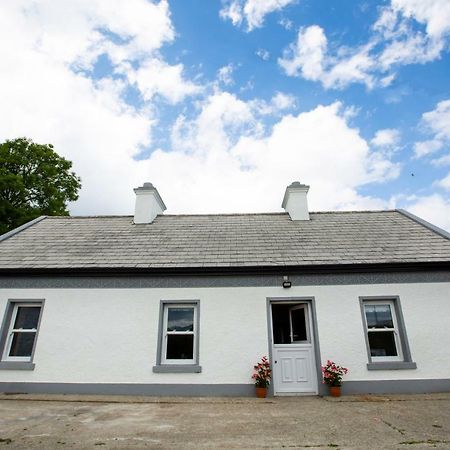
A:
(295, 202)
(148, 204)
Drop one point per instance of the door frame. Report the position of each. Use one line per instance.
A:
(310, 301)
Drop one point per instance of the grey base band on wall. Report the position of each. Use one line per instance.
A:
(218, 390)
(396, 386)
(183, 390)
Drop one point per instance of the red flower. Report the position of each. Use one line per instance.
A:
(332, 373)
(262, 373)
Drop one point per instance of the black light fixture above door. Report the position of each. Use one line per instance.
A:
(286, 283)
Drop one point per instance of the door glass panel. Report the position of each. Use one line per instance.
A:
(283, 315)
(22, 344)
(180, 346)
(382, 343)
(180, 319)
(280, 324)
(298, 325)
(379, 316)
(27, 317)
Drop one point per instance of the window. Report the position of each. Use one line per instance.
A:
(382, 331)
(385, 334)
(178, 337)
(19, 334)
(179, 334)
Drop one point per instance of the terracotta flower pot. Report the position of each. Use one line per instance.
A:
(261, 392)
(335, 391)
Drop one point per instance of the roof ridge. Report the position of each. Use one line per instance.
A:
(277, 213)
(283, 213)
(104, 216)
(355, 211)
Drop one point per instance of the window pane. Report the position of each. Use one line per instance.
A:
(382, 343)
(298, 325)
(180, 319)
(22, 344)
(379, 316)
(180, 346)
(27, 317)
(281, 324)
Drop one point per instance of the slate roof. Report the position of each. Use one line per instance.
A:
(226, 240)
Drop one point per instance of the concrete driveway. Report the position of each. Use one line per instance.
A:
(371, 422)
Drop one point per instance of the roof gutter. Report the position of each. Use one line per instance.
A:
(248, 270)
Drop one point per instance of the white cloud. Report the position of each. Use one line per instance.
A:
(286, 23)
(394, 42)
(424, 148)
(46, 97)
(435, 14)
(412, 49)
(445, 182)
(263, 54)
(277, 104)
(221, 120)
(246, 170)
(283, 101)
(156, 77)
(222, 158)
(438, 120)
(351, 66)
(308, 58)
(437, 124)
(305, 57)
(252, 12)
(232, 10)
(225, 74)
(386, 138)
(442, 161)
(76, 32)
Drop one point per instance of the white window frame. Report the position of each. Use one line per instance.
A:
(12, 331)
(164, 359)
(395, 330)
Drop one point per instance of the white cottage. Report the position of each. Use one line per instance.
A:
(185, 304)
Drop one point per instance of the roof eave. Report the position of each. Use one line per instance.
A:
(241, 270)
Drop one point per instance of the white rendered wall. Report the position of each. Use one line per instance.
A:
(110, 335)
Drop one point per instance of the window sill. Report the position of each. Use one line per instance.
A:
(16, 365)
(177, 368)
(391, 365)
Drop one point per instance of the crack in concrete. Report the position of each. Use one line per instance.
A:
(402, 432)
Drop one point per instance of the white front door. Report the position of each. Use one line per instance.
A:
(293, 358)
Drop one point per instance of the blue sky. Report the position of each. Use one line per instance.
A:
(221, 104)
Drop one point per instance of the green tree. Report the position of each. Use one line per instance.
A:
(34, 181)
